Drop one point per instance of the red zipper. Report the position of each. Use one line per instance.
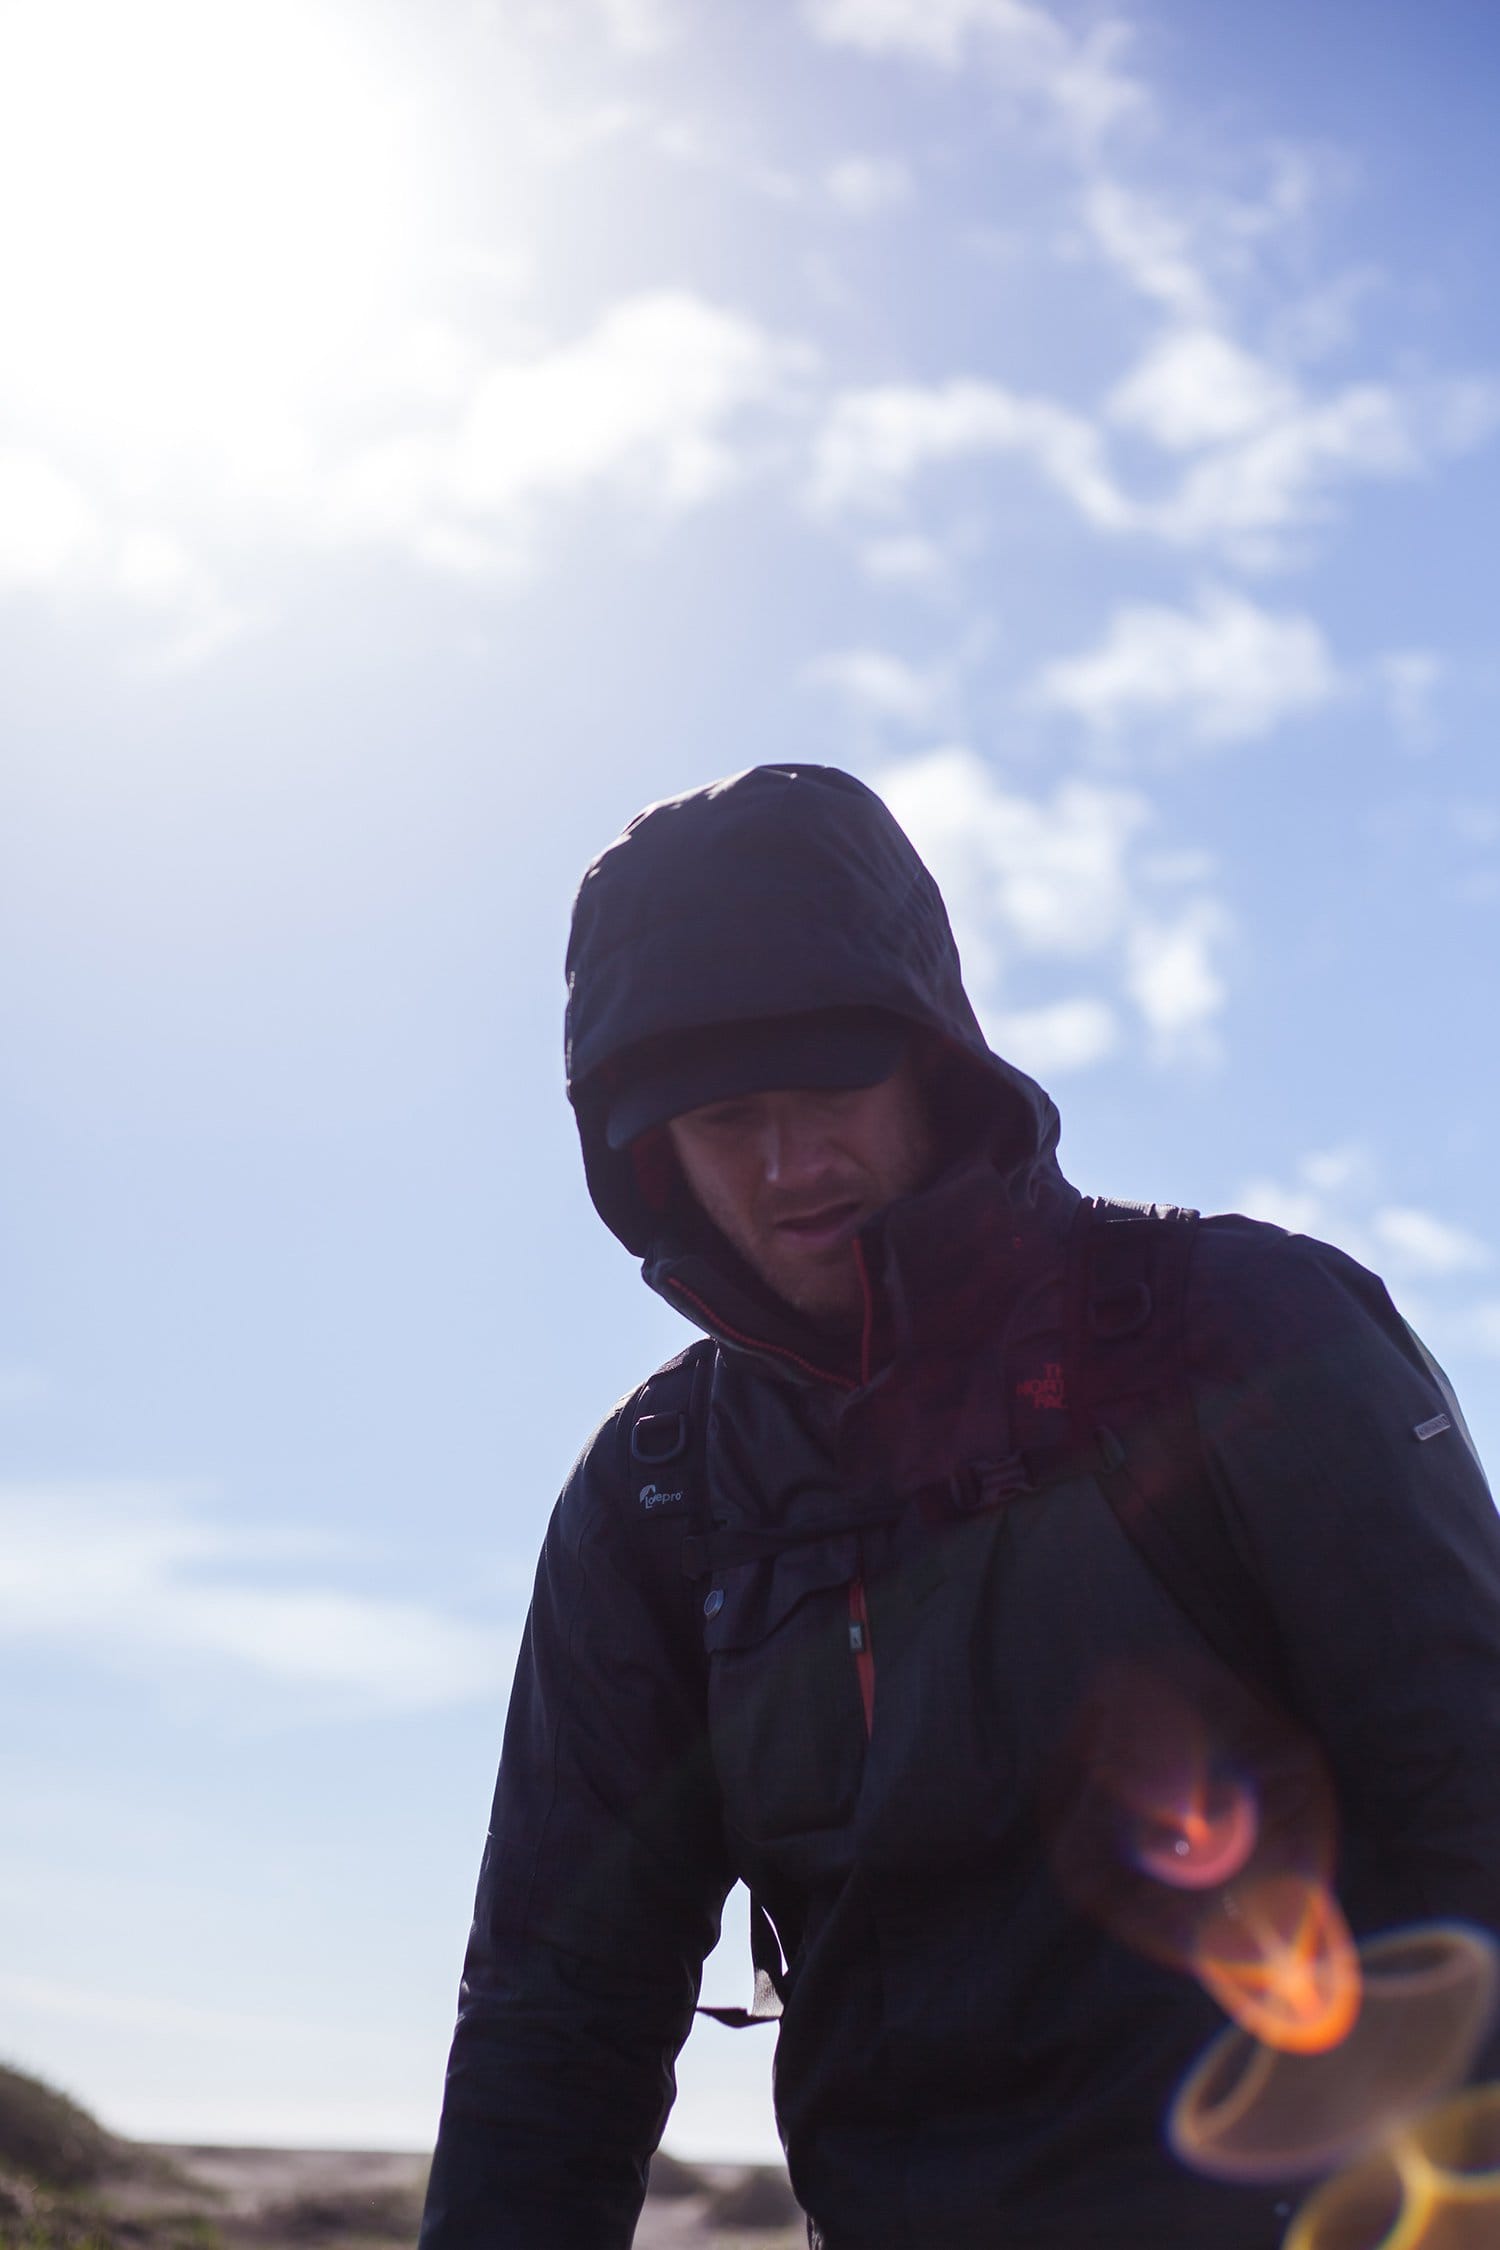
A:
(864, 1651)
(859, 1609)
(867, 1325)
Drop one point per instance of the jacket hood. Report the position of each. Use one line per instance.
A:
(778, 891)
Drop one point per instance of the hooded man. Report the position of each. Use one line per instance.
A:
(854, 1603)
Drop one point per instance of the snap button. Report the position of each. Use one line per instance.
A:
(713, 1601)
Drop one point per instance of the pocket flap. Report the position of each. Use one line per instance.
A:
(758, 1597)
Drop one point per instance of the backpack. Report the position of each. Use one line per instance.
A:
(1131, 1425)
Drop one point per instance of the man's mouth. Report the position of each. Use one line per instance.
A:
(822, 1228)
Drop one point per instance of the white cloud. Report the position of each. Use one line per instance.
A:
(1149, 247)
(1173, 978)
(1022, 875)
(47, 527)
(1063, 882)
(1410, 679)
(1024, 47)
(128, 1574)
(874, 442)
(639, 27)
(1342, 1170)
(1423, 1244)
(1230, 672)
(883, 686)
(1335, 1194)
(459, 459)
(1194, 387)
(905, 560)
(648, 395)
(1068, 1035)
(1300, 1209)
(1260, 460)
(1269, 452)
(647, 402)
(864, 186)
(1243, 496)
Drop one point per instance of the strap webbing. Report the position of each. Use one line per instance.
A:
(1127, 1296)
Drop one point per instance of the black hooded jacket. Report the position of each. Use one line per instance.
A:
(972, 2054)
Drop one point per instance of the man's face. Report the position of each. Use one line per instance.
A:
(789, 1178)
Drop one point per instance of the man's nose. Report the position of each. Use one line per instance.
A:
(793, 1149)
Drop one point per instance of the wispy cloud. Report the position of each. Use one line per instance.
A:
(907, 559)
(132, 1575)
(1422, 1244)
(1247, 496)
(461, 459)
(1064, 1036)
(881, 686)
(1410, 679)
(1338, 1195)
(863, 186)
(1080, 78)
(1255, 459)
(1431, 1261)
(1062, 886)
(874, 443)
(640, 27)
(1150, 247)
(1224, 673)
(648, 402)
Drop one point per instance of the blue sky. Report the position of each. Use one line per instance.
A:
(427, 436)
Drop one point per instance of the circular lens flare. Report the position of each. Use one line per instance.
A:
(1203, 1839)
(1435, 2187)
(1249, 2111)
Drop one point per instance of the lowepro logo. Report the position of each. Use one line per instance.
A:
(650, 1497)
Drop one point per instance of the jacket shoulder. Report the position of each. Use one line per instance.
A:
(1313, 1335)
(1256, 1283)
(601, 1481)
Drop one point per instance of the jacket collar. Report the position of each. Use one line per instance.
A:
(941, 1267)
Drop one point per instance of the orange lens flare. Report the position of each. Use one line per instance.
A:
(1172, 1790)
(1278, 1957)
(1249, 2111)
(1435, 2187)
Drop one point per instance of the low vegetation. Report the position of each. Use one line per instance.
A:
(68, 2184)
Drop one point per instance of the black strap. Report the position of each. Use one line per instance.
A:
(667, 1458)
(1131, 1405)
(667, 1441)
(705, 1554)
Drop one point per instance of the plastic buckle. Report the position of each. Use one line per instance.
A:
(656, 1439)
(1120, 1312)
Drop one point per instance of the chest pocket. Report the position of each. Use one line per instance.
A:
(785, 1717)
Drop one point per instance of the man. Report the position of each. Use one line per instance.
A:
(858, 1674)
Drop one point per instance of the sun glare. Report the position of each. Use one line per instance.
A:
(202, 207)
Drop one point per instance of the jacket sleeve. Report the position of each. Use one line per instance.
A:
(1352, 1489)
(600, 1890)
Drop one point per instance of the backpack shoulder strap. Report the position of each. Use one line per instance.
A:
(1130, 1403)
(666, 1445)
(667, 1459)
